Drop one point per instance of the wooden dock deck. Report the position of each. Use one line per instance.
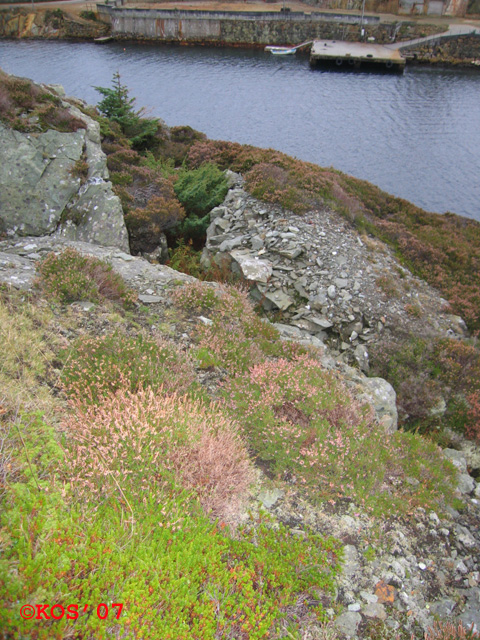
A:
(344, 55)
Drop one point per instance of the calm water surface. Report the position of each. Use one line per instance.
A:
(416, 136)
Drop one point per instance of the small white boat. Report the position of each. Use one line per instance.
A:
(281, 51)
(287, 51)
(103, 40)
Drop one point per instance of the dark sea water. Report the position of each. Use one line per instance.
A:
(415, 135)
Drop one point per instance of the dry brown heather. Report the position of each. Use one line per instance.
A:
(26, 106)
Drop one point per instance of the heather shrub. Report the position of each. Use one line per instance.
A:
(146, 225)
(98, 366)
(185, 258)
(122, 158)
(20, 96)
(458, 364)
(70, 276)
(428, 373)
(144, 440)
(58, 118)
(472, 427)
(147, 183)
(225, 344)
(197, 297)
(273, 184)
(179, 142)
(450, 631)
(410, 368)
(237, 343)
(236, 338)
(387, 284)
(304, 425)
(121, 179)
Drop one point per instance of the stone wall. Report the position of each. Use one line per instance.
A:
(458, 50)
(396, 7)
(257, 29)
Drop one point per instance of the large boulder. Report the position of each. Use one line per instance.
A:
(36, 181)
(54, 182)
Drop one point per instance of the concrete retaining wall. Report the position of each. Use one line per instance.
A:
(251, 29)
(233, 28)
(459, 50)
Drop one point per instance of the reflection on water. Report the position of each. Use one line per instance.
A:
(416, 135)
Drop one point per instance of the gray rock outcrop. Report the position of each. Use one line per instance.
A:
(41, 193)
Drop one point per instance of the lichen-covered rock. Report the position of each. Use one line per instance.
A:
(44, 189)
(383, 399)
(96, 216)
(36, 181)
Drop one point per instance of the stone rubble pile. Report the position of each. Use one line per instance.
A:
(322, 276)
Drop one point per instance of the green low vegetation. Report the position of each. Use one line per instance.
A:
(437, 382)
(123, 484)
(301, 421)
(119, 489)
(69, 277)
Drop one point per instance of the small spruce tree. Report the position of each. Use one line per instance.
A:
(118, 107)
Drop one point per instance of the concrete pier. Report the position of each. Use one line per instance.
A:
(344, 55)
